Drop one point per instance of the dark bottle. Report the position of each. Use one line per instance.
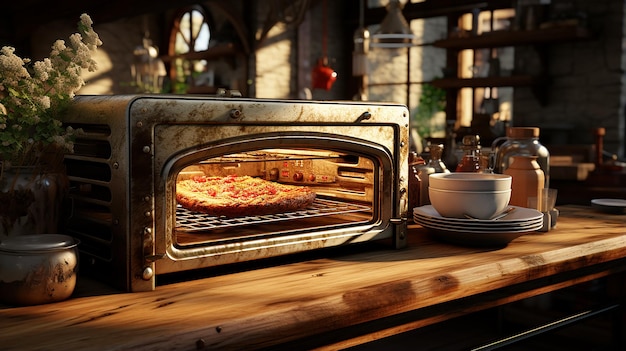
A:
(449, 154)
(471, 154)
(415, 182)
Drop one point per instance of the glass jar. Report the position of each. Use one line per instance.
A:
(522, 141)
(471, 154)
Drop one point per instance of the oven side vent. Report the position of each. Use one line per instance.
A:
(89, 205)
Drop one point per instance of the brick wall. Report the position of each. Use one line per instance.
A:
(586, 88)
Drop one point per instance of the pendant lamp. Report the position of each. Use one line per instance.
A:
(394, 31)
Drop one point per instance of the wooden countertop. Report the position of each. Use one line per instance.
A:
(317, 300)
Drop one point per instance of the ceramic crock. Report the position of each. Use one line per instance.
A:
(527, 180)
(37, 269)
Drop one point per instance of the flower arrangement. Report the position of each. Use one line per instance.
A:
(34, 94)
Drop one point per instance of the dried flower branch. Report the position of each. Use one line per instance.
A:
(34, 94)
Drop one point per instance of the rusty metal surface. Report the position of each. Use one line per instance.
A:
(134, 147)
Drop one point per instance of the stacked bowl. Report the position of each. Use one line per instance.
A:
(473, 209)
(478, 195)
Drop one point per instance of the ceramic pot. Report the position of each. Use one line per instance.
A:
(527, 180)
(37, 269)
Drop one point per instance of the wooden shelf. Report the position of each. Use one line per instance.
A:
(509, 81)
(515, 38)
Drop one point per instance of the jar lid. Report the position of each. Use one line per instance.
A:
(522, 132)
(37, 243)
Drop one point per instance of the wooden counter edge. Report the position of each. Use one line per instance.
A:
(390, 298)
(295, 321)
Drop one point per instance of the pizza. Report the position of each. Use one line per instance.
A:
(236, 196)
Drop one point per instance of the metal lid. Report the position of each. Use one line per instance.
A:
(37, 243)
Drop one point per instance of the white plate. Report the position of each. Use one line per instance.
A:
(472, 232)
(609, 205)
(503, 227)
(521, 215)
(477, 224)
(476, 239)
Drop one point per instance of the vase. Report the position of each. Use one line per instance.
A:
(527, 180)
(31, 201)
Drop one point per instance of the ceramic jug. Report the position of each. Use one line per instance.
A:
(527, 180)
(520, 141)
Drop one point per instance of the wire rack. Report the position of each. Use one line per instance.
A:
(190, 221)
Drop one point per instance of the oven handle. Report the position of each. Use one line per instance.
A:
(153, 258)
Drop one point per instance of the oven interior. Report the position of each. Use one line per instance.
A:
(344, 182)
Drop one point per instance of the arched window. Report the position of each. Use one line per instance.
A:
(189, 40)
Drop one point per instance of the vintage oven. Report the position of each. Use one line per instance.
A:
(124, 168)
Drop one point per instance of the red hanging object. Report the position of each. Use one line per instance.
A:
(322, 75)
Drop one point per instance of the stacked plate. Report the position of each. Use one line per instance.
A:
(479, 232)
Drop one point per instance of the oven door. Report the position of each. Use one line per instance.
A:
(355, 182)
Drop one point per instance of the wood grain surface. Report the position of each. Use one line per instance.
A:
(298, 298)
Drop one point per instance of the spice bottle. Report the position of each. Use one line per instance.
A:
(436, 150)
(471, 154)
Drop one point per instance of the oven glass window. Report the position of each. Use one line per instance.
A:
(344, 184)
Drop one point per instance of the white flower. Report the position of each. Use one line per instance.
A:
(42, 69)
(33, 94)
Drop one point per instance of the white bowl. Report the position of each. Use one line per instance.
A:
(468, 181)
(478, 204)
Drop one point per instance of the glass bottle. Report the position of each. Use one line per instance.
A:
(486, 162)
(522, 141)
(471, 154)
(449, 154)
(436, 150)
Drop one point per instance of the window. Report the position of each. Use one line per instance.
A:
(189, 40)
